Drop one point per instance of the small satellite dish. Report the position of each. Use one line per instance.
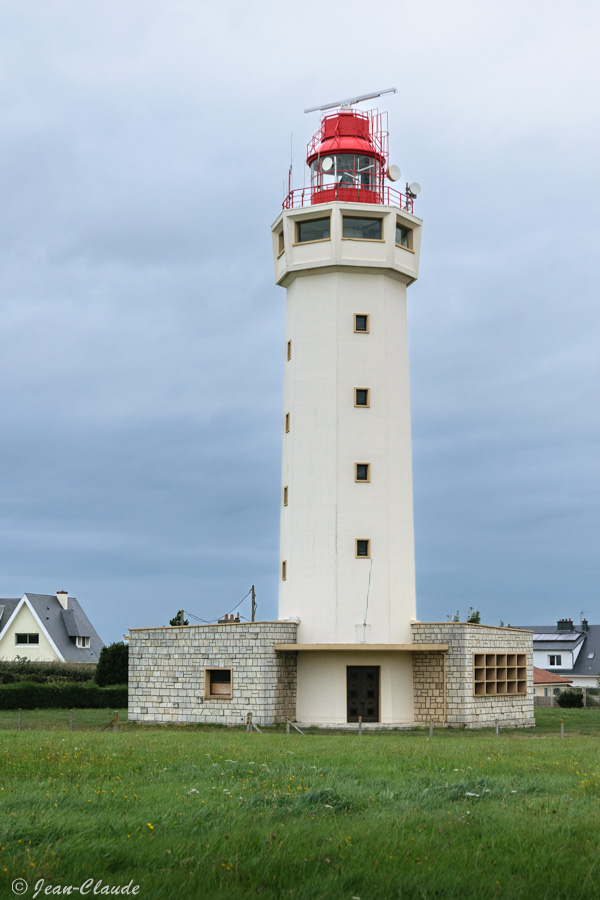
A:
(327, 164)
(393, 173)
(415, 188)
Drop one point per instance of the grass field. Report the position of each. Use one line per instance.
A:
(197, 813)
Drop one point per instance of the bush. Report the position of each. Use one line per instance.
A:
(42, 672)
(29, 695)
(570, 699)
(112, 665)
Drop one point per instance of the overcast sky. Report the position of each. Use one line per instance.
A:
(143, 150)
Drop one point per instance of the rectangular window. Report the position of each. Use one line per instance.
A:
(499, 673)
(285, 495)
(313, 230)
(287, 422)
(281, 243)
(27, 638)
(361, 323)
(289, 349)
(555, 660)
(284, 570)
(82, 642)
(361, 228)
(218, 683)
(363, 548)
(361, 397)
(363, 472)
(404, 236)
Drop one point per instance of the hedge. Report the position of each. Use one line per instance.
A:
(28, 695)
(41, 671)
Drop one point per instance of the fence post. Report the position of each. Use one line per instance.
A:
(497, 728)
(562, 728)
(19, 722)
(360, 724)
(70, 720)
(431, 729)
(116, 720)
(287, 726)
(249, 723)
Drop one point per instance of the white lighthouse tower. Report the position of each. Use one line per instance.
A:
(346, 249)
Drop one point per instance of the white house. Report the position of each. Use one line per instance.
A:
(570, 650)
(47, 627)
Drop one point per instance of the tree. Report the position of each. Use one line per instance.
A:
(454, 618)
(178, 619)
(112, 664)
(474, 616)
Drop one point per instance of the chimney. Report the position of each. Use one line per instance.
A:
(585, 626)
(62, 597)
(564, 625)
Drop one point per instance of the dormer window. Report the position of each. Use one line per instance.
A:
(82, 642)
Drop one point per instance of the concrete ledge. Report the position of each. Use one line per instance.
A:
(390, 648)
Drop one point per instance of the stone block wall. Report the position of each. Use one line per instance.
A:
(166, 673)
(429, 687)
(462, 706)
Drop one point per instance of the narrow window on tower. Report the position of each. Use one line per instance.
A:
(289, 349)
(284, 570)
(362, 472)
(404, 236)
(363, 548)
(281, 243)
(361, 397)
(361, 323)
(313, 230)
(287, 422)
(285, 495)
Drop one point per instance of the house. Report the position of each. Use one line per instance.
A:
(49, 627)
(566, 649)
(545, 684)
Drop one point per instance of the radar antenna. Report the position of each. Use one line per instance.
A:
(351, 100)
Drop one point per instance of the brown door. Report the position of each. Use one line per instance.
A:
(363, 693)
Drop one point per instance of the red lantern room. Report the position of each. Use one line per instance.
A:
(347, 158)
(348, 161)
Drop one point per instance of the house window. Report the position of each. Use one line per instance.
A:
(289, 349)
(285, 495)
(361, 228)
(27, 638)
(82, 642)
(313, 230)
(287, 422)
(362, 472)
(361, 397)
(361, 323)
(555, 660)
(217, 683)
(499, 673)
(404, 237)
(363, 548)
(284, 570)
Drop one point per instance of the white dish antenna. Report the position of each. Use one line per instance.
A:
(393, 173)
(351, 100)
(414, 189)
(327, 164)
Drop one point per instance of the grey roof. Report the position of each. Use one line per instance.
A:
(63, 626)
(591, 644)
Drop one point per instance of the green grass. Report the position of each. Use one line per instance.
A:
(58, 719)
(198, 813)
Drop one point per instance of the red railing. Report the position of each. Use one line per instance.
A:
(384, 195)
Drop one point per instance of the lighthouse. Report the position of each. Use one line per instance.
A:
(346, 248)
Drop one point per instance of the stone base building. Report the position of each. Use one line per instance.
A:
(454, 674)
